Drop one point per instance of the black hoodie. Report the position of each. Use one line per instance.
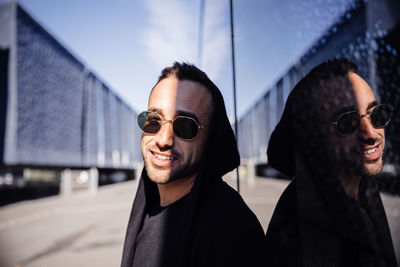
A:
(217, 228)
(315, 223)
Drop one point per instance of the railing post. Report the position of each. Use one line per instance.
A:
(251, 173)
(66, 182)
(93, 180)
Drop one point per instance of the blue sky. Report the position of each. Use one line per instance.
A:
(127, 42)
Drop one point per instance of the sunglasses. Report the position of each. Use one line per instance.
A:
(184, 127)
(348, 122)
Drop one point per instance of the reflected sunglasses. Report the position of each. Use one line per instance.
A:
(184, 127)
(348, 122)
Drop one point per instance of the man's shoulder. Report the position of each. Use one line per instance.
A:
(226, 230)
(222, 194)
(223, 205)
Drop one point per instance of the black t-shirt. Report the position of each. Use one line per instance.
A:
(158, 228)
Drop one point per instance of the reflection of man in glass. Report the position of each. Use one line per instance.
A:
(183, 213)
(331, 139)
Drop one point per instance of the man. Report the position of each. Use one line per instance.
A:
(183, 213)
(331, 139)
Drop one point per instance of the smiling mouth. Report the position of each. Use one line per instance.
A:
(371, 154)
(162, 160)
(164, 157)
(371, 150)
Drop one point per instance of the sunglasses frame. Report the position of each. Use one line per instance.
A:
(172, 123)
(368, 114)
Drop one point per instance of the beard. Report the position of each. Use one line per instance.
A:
(164, 175)
(349, 160)
(372, 168)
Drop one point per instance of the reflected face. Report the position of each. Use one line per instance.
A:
(167, 157)
(371, 141)
(359, 153)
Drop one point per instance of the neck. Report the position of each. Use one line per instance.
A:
(350, 185)
(175, 190)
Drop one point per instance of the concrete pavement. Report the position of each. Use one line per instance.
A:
(88, 229)
(85, 229)
(78, 230)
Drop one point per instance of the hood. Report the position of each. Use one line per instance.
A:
(221, 154)
(299, 147)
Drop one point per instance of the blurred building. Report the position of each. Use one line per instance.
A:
(55, 113)
(368, 33)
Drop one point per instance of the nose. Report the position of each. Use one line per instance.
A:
(165, 137)
(367, 131)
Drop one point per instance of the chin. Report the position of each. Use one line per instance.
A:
(158, 176)
(158, 179)
(372, 168)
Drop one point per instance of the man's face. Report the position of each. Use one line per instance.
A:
(371, 141)
(166, 156)
(360, 153)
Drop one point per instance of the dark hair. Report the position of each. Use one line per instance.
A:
(221, 148)
(325, 86)
(327, 82)
(185, 71)
(332, 68)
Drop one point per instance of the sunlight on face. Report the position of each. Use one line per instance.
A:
(166, 156)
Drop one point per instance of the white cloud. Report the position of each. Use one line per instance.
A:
(216, 45)
(171, 32)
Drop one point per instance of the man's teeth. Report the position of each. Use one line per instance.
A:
(163, 157)
(369, 151)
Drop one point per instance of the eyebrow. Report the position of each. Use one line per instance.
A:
(156, 110)
(372, 104)
(177, 113)
(187, 114)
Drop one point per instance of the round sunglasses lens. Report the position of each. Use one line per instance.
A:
(380, 116)
(185, 128)
(348, 122)
(149, 122)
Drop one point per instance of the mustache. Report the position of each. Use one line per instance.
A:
(361, 145)
(371, 141)
(173, 152)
